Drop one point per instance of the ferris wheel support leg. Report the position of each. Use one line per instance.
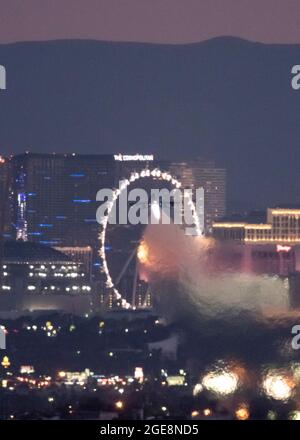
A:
(134, 285)
(125, 266)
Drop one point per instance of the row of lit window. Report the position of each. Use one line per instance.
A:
(53, 267)
(57, 274)
(67, 289)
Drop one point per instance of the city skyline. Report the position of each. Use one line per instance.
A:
(149, 215)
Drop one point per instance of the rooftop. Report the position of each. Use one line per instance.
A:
(29, 251)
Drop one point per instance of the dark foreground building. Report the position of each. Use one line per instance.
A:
(37, 277)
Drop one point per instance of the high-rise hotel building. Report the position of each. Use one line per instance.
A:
(204, 174)
(282, 227)
(53, 198)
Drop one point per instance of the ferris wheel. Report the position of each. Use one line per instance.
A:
(136, 252)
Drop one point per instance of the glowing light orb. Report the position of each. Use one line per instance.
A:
(271, 415)
(195, 413)
(278, 386)
(5, 362)
(142, 252)
(242, 413)
(119, 404)
(223, 382)
(294, 415)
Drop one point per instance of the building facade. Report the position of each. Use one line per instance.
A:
(53, 197)
(204, 174)
(38, 277)
(271, 248)
(282, 227)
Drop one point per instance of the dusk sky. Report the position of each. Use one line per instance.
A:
(168, 21)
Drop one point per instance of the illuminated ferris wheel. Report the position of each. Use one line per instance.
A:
(129, 265)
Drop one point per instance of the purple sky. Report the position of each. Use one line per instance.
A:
(169, 21)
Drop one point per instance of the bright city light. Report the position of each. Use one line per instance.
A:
(223, 383)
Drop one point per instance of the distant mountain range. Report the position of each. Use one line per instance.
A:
(225, 98)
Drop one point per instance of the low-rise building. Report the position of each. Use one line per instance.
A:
(38, 277)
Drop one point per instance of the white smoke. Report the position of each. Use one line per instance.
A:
(198, 274)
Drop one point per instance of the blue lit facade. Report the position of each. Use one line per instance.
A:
(53, 198)
(4, 190)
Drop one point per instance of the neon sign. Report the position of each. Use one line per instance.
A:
(136, 157)
(281, 248)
